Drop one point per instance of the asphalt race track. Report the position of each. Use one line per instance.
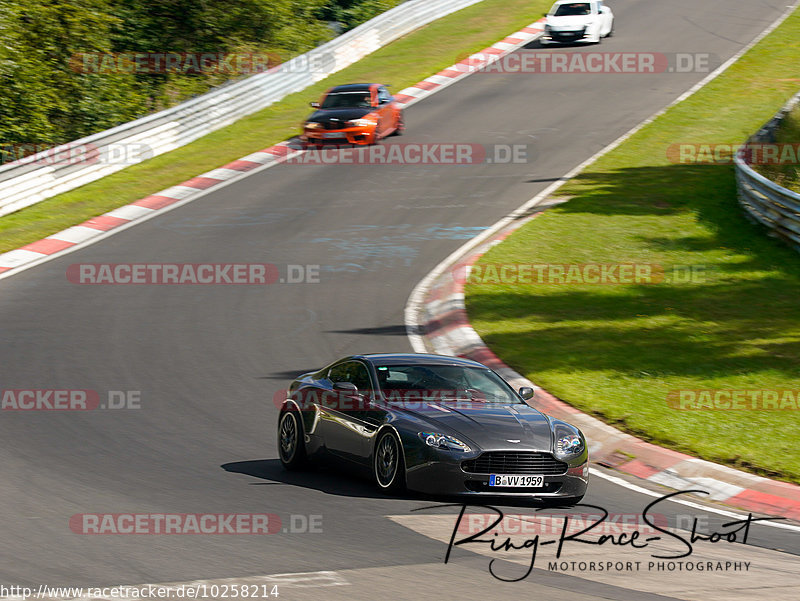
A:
(208, 359)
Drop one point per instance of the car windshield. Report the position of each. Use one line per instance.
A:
(445, 382)
(336, 100)
(576, 8)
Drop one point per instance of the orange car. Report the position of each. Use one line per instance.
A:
(357, 113)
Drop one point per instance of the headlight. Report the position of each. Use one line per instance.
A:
(443, 441)
(313, 125)
(547, 29)
(568, 442)
(360, 123)
(571, 444)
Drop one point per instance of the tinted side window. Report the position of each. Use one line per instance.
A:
(360, 377)
(338, 373)
(351, 371)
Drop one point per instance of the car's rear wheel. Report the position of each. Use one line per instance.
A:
(388, 465)
(291, 450)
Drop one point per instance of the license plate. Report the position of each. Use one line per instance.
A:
(333, 134)
(516, 481)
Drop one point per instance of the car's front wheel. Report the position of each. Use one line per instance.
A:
(388, 465)
(374, 138)
(291, 450)
(400, 127)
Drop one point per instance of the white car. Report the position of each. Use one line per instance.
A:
(578, 22)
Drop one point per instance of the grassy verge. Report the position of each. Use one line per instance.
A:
(787, 175)
(400, 64)
(616, 351)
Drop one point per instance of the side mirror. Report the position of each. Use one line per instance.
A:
(349, 399)
(314, 105)
(345, 387)
(527, 393)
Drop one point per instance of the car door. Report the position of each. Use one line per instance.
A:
(346, 421)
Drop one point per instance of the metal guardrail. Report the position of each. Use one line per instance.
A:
(40, 176)
(765, 201)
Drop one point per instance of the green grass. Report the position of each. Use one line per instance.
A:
(616, 351)
(400, 64)
(787, 175)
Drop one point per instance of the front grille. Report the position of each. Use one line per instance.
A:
(334, 125)
(515, 462)
(567, 35)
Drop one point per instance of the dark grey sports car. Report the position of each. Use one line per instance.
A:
(434, 424)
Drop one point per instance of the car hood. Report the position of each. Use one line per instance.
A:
(570, 22)
(490, 426)
(343, 114)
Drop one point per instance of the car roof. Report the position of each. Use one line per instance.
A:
(386, 359)
(353, 87)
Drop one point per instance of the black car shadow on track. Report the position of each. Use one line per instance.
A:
(322, 478)
(289, 374)
(396, 330)
(347, 483)
(536, 44)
